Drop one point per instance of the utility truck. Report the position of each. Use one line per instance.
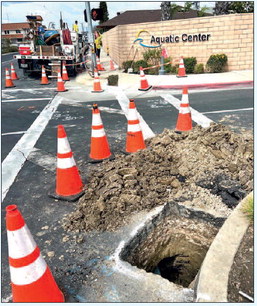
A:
(51, 47)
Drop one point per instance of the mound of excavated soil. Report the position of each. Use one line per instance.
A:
(207, 168)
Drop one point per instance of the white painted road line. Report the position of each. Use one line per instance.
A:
(229, 110)
(124, 104)
(21, 100)
(32, 90)
(196, 116)
(13, 133)
(17, 157)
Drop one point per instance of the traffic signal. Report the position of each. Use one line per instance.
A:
(97, 14)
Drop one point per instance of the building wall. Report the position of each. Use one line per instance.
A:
(230, 34)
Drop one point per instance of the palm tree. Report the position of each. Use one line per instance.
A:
(166, 13)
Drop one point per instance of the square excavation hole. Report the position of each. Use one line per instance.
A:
(173, 244)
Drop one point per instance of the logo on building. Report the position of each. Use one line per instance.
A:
(141, 40)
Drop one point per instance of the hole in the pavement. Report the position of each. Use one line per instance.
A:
(174, 243)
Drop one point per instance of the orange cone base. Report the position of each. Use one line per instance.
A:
(184, 122)
(10, 86)
(61, 90)
(70, 191)
(97, 90)
(14, 78)
(135, 142)
(72, 198)
(37, 291)
(99, 149)
(45, 83)
(181, 76)
(145, 89)
(95, 161)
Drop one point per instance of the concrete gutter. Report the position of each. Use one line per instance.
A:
(205, 85)
(212, 283)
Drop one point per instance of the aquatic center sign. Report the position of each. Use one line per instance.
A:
(176, 38)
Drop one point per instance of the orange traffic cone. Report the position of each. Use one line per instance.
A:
(31, 278)
(44, 79)
(143, 81)
(13, 73)
(69, 186)
(99, 65)
(8, 80)
(184, 121)
(60, 83)
(135, 140)
(99, 149)
(112, 65)
(97, 85)
(65, 76)
(181, 69)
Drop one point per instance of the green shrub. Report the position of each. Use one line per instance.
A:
(138, 64)
(174, 69)
(217, 63)
(189, 63)
(126, 65)
(167, 68)
(113, 80)
(153, 58)
(199, 68)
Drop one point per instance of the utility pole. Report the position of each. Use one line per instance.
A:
(90, 34)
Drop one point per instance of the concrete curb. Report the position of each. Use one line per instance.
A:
(212, 283)
(208, 85)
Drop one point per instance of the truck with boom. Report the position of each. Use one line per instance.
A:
(51, 47)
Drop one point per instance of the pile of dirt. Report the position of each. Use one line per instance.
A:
(207, 168)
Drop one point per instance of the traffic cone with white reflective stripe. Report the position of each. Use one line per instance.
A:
(143, 81)
(8, 80)
(97, 85)
(13, 73)
(31, 278)
(69, 186)
(99, 149)
(44, 79)
(65, 76)
(99, 65)
(184, 121)
(181, 69)
(60, 83)
(135, 140)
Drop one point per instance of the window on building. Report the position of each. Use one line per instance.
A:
(6, 32)
(18, 31)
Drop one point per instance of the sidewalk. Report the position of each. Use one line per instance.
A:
(206, 80)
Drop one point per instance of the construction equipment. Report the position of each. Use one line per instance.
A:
(50, 47)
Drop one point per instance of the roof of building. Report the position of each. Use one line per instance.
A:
(140, 16)
(9, 36)
(15, 26)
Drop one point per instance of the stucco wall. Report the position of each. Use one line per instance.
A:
(229, 34)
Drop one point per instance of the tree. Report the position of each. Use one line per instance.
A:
(103, 6)
(166, 13)
(187, 6)
(174, 8)
(233, 7)
(202, 11)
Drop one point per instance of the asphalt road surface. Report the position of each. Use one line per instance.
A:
(30, 116)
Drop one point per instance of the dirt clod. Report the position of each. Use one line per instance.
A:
(206, 168)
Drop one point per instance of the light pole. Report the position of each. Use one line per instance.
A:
(90, 34)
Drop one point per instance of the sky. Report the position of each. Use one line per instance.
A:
(14, 11)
